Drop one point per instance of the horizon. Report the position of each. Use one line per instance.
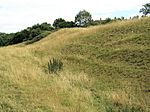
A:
(17, 15)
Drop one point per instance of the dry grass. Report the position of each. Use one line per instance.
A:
(96, 76)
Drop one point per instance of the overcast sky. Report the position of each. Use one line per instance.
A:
(16, 15)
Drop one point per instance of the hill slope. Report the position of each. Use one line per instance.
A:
(106, 69)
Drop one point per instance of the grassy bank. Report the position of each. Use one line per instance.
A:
(106, 69)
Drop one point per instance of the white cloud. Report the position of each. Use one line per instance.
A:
(19, 14)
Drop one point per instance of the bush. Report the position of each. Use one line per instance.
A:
(54, 65)
(39, 37)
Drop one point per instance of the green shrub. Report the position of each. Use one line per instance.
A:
(54, 65)
(39, 37)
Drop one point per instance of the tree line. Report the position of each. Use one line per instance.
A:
(38, 31)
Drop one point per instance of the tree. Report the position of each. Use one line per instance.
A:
(58, 23)
(146, 9)
(122, 18)
(83, 18)
(68, 24)
(17, 38)
(61, 23)
(46, 26)
(35, 32)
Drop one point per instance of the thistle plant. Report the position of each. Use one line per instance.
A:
(54, 65)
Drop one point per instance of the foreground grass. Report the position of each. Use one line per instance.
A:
(106, 69)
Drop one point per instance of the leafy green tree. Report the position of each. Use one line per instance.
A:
(146, 9)
(61, 23)
(17, 38)
(83, 18)
(35, 26)
(115, 18)
(58, 23)
(108, 20)
(67, 24)
(35, 32)
(46, 26)
(122, 18)
(2, 41)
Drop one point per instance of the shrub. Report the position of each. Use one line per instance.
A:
(39, 37)
(54, 65)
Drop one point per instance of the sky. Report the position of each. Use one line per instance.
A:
(16, 15)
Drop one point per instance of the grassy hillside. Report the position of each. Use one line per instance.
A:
(106, 69)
